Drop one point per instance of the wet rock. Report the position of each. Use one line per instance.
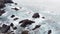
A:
(24, 32)
(49, 32)
(11, 24)
(15, 19)
(4, 28)
(2, 12)
(43, 17)
(4, 25)
(15, 9)
(3, 2)
(37, 26)
(2, 5)
(12, 16)
(36, 15)
(14, 28)
(26, 22)
(8, 1)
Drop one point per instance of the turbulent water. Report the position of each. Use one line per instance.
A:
(51, 21)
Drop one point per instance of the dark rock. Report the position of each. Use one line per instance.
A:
(14, 28)
(24, 32)
(12, 16)
(2, 5)
(8, 1)
(43, 17)
(2, 12)
(16, 18)
(11, 24)
(37, 26)
(4, 28)
(49, 32)
(15, 9)
(26, 22)
(4, 25)
(36, 15)
(3, 2)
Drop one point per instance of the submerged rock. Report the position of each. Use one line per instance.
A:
(37, 26)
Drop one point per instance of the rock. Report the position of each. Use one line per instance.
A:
(37, 26)
(12, 16)
(11, 24)
(2, 5)
(24, 32)
(2, 12)
(36, 15)
(26, 22)
(8, 1)
(15, 18)
(3, 2)
(4, 28)
(49, 32)
(43, 17)
(15, 9)
(14, 28)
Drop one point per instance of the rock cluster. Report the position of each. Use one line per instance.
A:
(3, 2)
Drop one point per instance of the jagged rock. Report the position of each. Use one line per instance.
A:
(14, 28)
(4, 28)
(2, 5)
(26, 22)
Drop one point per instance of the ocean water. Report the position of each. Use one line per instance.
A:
(49, 9)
